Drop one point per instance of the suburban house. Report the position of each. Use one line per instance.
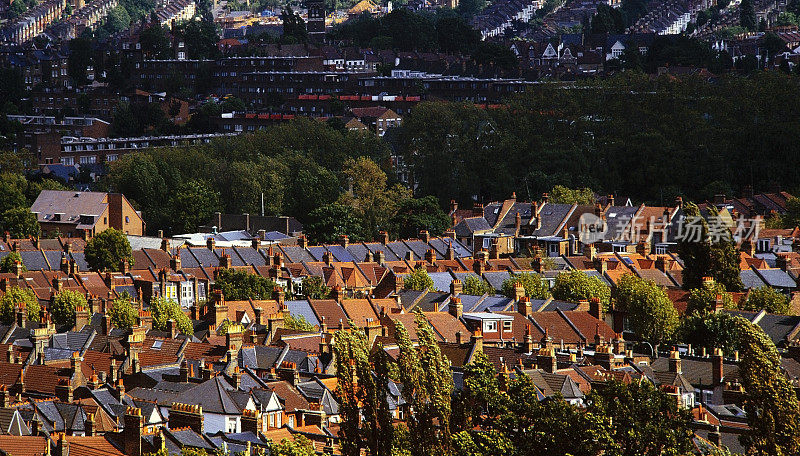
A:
(85, 214)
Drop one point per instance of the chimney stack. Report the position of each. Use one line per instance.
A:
(455, 308)
(675, 362)
(717, 367)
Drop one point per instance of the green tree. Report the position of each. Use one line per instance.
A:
(117, 20)
(20, 222)
(564, 195)
(123, 313)
(766, 298)
(646, 421)
(418, 280)
(164, 310)
(703, 300)
(475, 286)
(63, 308)
(792, 216)
(747, 15)
(552, 427)
(294, 28)
(362, 390)
(535, 286)
(314, 288)
(331, 221)
(16, 296)
(193, 203)
(369, 197)
(427, 386)
(9, 263)
(711, 331)
(155, 42)
(773, 411)
(608, 20)
(298, 446)
(16, 9)
(650, 311)
(704, 258)
(240, 285)
(416, 214)
(107, 250)
(11, 191)
(575, 286)
(298, 323)
(482, 443)
(470, 8)
(483, 399)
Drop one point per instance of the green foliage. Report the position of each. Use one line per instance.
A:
(713, 256)
(563, 195)
(608, 20)
(427, 386)
(20, 222)
(773, 411)
(714, 330)
(787, 18)
(416, 214)
(703, 300)
(535, 286)
(240, 285)
(107, 250)
(575, 286)
(297, 166)
(117, 20)
(16, 9)
(298, 446)
(9, 263)
(792, 216)
(298, 323)
(123, 313)
(552, 427)
(404, 30)
(294, 28)
(200, 38)
(481, 401)
(475, 286)
(482, 443)
(650, 311)
(645, 421)
(193, 203)
(362, 389)
(370, 198)
(747, 16)
(766, 298)
(314, 288)
(14, 296)
(63, 307)
(164, 310)
(418, 280)
(11, 191)
(470, 8)
(155, 42)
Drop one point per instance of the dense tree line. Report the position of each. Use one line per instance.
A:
(445, 31)
(334, 181)
(614, 136)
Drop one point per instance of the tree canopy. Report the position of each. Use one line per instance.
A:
(650, 312)
(15, 296)
(106, 251)
(575, 286)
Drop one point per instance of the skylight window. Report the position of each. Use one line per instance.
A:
(157, 344)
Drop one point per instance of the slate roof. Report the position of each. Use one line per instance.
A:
(215, 396)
